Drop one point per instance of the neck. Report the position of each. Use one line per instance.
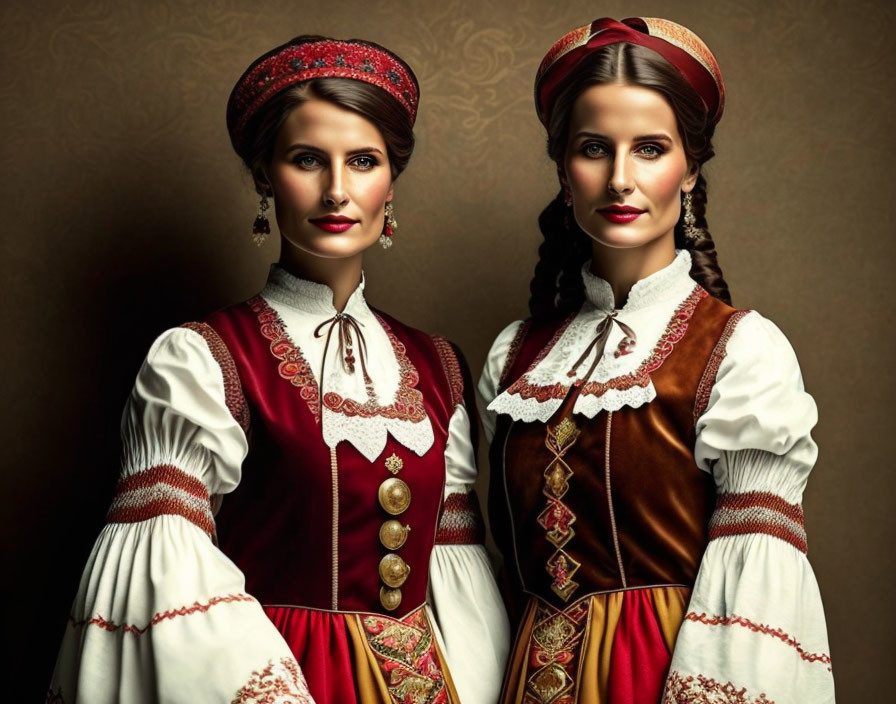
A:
(623, 268)
(341, 275)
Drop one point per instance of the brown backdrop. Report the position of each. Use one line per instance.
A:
(126, 212)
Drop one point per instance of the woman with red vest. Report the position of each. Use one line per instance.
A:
(294, 497)
(650, 444)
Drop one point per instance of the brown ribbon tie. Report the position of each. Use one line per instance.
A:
(599, 344)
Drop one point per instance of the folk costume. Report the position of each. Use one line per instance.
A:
(294, 520)
(647, 468)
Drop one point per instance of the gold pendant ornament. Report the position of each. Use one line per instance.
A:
(393, 570)
(394, 496)
(394, 463)
(393, 535)
(390, 598)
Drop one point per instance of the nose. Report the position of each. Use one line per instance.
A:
(334, 193)
(620, 182)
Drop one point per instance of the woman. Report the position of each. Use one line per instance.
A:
(650, 443)
(297, 467)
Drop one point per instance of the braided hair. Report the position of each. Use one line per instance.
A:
(557, 287)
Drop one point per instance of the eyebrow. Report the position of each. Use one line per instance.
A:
(317, 150)
(659, 137)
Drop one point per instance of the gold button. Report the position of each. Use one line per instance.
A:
(393, 535)
(393, 570)
(390, 598)
(394, 495)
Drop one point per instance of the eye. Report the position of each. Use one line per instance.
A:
(365, 162)
(594, 150)
(306, 161)
(651, 151)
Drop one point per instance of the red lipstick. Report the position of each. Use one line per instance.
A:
(333, 223)
(620, 213)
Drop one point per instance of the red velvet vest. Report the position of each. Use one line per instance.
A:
(303, 532)
(638, 510)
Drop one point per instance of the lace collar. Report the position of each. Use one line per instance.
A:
(347, 406)
(658, 309)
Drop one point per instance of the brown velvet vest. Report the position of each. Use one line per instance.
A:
(302, 533)
(643, 493)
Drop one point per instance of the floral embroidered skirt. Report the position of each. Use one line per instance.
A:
(610, 648)
(366, 658)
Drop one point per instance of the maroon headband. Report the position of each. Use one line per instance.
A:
(304, 58)
(678, 45)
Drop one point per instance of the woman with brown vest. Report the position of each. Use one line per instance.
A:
(650, 443)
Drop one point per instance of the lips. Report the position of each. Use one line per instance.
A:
(333, 223)
(621, 213)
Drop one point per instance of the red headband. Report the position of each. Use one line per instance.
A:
(302, 59)
(678, 45)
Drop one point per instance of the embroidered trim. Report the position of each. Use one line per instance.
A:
(196, 607)
(675, 330)
(461, 521)
(408, 403)
(233, 389)
(557, 518)
(451, 366)
(758, 512)
(514, 351)
(54, 696)
(778, 633)
(293, 366)
(162, 490)
(708, 380)
(554, 648)
(700, 689)
(406, 653)
(280, 681)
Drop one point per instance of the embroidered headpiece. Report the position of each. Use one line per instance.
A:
(678, 45)
(304, 58)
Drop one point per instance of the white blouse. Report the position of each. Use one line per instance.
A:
(755, 618)
(162, 614)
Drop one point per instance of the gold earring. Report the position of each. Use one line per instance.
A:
(692, 233)
(389, 226)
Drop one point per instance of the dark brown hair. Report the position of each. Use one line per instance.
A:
(367, 100)
(557, 286)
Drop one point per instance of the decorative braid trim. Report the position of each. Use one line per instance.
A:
(280, 682)
(778, 633)
(708, 380)
(233, 389)
(54, 696)
(758, 512)
(461, 522)
(194, 608)
(451, 366)
(675, 330)
(513, 352)
(158, 491)
(699, 689)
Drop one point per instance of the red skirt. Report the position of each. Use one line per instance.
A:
(350, 658)
(612, 648)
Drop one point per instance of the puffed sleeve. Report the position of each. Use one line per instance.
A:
(468, 612)
(161, 614)
(755, 628)
(487, 389)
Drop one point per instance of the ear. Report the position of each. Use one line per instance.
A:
(391, 192)
(690, 179)
(561, 176)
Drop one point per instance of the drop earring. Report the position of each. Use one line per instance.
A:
(389, 226)
(692, 233)
(261, 228)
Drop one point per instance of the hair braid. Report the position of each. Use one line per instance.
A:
(705, 269)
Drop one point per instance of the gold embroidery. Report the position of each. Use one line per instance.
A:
(553, 649)
(394, 463)
(557, 518)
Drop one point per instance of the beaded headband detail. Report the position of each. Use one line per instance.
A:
(302, 60)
